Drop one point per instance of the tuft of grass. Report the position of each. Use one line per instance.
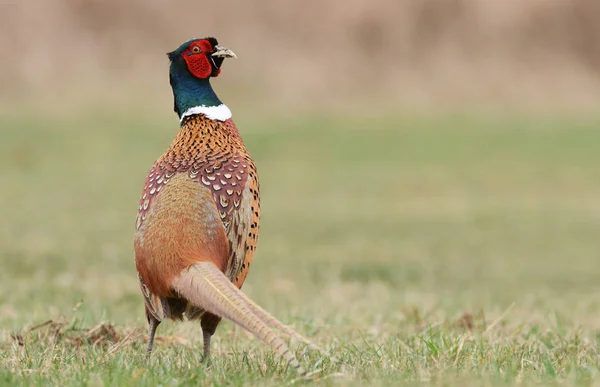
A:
(418, 250)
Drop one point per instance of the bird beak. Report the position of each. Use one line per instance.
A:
(222, 52)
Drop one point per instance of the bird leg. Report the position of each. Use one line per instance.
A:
(209, 324)
(152, 325)
(206, 354)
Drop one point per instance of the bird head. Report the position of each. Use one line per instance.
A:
(200, 57)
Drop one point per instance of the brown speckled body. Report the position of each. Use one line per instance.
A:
(200, 203)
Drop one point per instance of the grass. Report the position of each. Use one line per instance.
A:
(441, 250)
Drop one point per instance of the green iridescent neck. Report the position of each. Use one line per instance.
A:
(189, 91)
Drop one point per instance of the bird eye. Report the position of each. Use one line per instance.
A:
(196, 49)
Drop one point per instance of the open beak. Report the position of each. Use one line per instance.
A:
(222, 52)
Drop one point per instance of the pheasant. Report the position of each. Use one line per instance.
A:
(198, 218)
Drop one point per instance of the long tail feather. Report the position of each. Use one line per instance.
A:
(276, 324)
(205, 286)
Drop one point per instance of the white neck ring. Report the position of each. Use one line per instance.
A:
(219, 113)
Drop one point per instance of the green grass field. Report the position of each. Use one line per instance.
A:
(444, 250)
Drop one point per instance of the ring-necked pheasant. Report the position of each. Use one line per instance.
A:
(198, 217)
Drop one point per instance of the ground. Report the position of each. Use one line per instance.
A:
(444, 250)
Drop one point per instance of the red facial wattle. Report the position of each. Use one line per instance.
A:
(196, 58)
(198, 65)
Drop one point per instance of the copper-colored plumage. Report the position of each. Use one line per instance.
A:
(197, 228)
(207, 160)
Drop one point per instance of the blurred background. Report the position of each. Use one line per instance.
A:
(375, 55)
(426, 159)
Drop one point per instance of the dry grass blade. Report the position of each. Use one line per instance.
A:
(102, 335)
(168, 340)
(500, 318)
(130, 337)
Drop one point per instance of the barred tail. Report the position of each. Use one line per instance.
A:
(271, 321)
(205, 286)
